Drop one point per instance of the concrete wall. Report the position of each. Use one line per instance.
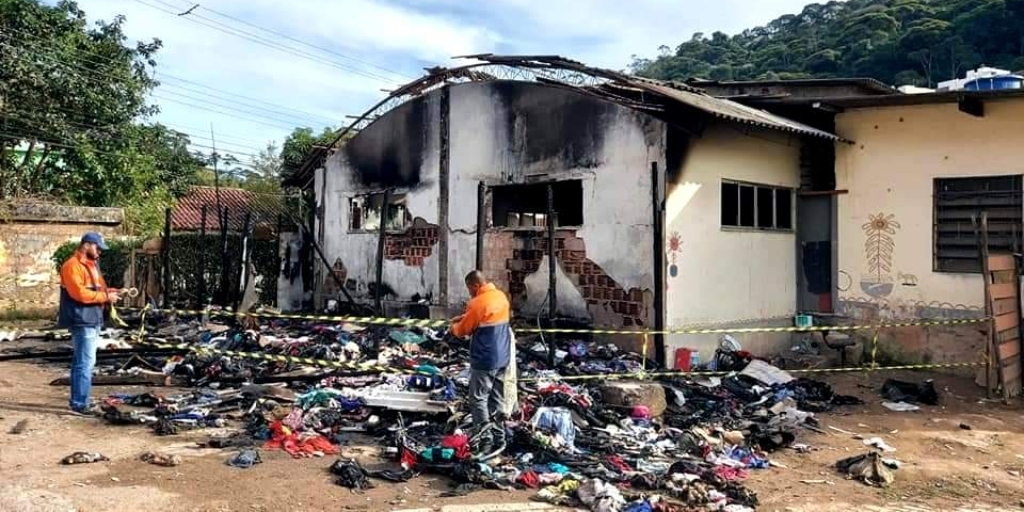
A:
(721, 275)
(889, 173)
(29, 235)
(507, 133)
(513, 132)
(399, 150)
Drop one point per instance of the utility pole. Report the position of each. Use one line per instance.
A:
(216, 173)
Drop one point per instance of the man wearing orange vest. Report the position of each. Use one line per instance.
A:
(486, 320)
(83, 295)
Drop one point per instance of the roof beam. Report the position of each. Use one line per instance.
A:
(971, 106)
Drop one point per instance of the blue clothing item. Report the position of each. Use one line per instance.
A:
(491, 347)
(557, 419)
(83, 361)
(76, 314)
(638, 506)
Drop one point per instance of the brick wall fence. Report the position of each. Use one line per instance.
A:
(29, 235)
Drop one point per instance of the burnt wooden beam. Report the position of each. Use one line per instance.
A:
(971, 106)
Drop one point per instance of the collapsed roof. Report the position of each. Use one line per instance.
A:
(634, 92)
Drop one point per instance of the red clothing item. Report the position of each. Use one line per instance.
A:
(284, 439)
(459, 443)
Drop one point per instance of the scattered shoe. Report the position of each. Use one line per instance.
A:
(83, 458)
(161, 459)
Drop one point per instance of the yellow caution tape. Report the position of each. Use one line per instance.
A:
(700, 373)
(412, 322)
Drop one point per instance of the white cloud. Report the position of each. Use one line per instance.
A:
(397, 36)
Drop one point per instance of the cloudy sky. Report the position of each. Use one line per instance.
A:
(326, 59)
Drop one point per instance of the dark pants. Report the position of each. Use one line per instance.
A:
(486, 394)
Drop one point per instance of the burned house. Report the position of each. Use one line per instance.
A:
(666, 206)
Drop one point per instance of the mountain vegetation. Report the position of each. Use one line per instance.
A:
(901, 42)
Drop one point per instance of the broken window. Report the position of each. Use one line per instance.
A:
(959, 203)
(746, 205)
(364, 212)
(526, 206)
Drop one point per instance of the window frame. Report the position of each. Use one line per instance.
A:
(492, 219)
(1014, 223)
(365, 196)
(755, 189)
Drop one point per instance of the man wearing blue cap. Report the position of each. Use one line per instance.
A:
(83, 294)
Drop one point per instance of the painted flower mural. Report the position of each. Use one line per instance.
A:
(675, 242)
(879, 246)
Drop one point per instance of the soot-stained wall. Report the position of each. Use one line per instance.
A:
(518, 132)
(502, 133)
(390, 152)
(400, 150)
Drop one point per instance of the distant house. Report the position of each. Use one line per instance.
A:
(263, 211)
(887, 228)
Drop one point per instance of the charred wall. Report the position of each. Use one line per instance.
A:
(390, 151)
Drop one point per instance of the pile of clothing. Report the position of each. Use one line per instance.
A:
(405, 386)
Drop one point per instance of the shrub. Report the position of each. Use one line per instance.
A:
(113, 263)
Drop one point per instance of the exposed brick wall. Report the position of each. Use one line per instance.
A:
(609, 303)
(498, 250)
(413, 245)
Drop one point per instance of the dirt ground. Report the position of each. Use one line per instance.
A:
(945, 466)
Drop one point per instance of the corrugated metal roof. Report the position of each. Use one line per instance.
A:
(730, 110)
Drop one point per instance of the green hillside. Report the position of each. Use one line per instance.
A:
(917, 42)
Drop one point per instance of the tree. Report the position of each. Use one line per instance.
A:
(299, 144)
(73, 106)
(890, 40)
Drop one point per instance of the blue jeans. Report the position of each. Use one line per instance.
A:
(84, 359)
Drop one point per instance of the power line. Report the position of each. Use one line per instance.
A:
(310, 45)
(285, 124)
(37, 125)
(97, 73)
(172, 77)
(297, 120)
(101, 127)
(110, 60)
(207, 109)
(220, 27)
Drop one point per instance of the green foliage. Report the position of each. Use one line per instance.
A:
(73, 105)
(918, 42)
(113, 262)
(299, 144)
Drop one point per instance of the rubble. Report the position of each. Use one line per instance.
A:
(673, 442)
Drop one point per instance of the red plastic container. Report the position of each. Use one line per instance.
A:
(683, 359)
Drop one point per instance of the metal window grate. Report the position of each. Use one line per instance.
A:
(760, 207)
(958, 202)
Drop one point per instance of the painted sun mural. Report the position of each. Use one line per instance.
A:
(879, 246)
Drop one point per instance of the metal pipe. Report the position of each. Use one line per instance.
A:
(277, 252)
(549, 219)
(481, 223)
(243, 256)
(385, 210)
(165, 249)
(658, 220)
(224, 264)
(202, 259)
